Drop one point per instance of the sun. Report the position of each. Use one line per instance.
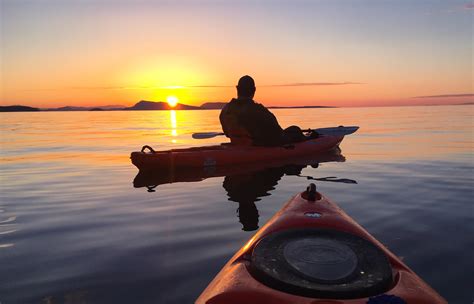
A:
(172, 101)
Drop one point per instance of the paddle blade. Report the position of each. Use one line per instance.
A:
(337, 131)
(205, 135)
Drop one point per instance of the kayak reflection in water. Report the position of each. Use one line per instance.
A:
(245, 184)
(246, 122)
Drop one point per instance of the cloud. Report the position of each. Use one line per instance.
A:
(77, 88)
(310, 84)
(446, 96)
(297, 84)
(208, 86)
(453, 9)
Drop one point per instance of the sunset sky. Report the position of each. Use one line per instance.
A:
(337, 53)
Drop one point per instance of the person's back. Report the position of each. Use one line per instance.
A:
(247, 122)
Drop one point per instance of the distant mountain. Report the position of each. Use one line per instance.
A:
(68, 108)
(112, 107)
(18, 109)
(213, 105)
(159, 105)
(142, 105)
(72, 108)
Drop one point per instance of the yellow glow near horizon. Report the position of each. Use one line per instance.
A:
(157, 78)
(172, 101)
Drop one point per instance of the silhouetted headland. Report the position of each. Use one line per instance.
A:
(213, 105)
(159, 105)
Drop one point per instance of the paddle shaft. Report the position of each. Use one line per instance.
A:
(338, 131)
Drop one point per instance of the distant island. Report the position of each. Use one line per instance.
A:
(18, 109)
(142, 105)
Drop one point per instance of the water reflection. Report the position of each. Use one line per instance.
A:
(244, 184)
(174, 125)
(7, 226)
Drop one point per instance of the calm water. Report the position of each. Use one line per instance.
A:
(73, 229)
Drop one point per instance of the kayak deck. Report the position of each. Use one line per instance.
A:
(239, 282)
(226, 154)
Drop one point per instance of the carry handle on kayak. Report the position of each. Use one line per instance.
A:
(311, 192)
(149, 148)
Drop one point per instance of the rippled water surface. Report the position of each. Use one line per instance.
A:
(73, 229)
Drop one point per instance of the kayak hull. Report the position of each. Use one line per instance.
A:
(227, 154)
(147, 178)
(236, 284)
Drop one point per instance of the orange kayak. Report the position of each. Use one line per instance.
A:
(227, 154)
(154, 178)
(311, 251)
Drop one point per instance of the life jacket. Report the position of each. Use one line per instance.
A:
(231, 124)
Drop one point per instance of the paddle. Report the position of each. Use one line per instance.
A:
(205, 135)
(333, 131)
(330, 179)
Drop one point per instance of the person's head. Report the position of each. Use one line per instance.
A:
(246, 87)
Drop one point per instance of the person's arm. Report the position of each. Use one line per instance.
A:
(269, 119)
(262, 125)
(221, 119)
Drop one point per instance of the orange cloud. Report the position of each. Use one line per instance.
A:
(446, 96)
(297, 84)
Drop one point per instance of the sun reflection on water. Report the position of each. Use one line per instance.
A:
(174, 125)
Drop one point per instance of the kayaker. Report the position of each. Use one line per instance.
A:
(246, 122)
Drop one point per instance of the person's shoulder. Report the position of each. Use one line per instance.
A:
(259, 106)
(231, 103)
(228, 104)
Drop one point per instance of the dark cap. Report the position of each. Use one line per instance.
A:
(246, 82)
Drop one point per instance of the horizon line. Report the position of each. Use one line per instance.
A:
(87, 108)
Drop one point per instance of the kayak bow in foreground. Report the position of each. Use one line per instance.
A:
(311, 251)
